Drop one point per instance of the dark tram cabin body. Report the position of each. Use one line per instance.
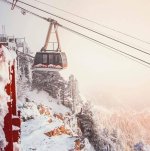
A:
(56, 59)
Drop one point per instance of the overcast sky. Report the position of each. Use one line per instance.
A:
(105, 77)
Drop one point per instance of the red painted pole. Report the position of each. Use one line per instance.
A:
(13, 90)
(8, 118)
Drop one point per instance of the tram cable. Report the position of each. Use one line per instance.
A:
(137, 59)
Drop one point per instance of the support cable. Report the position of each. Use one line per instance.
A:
(139, 60)
(87, 28)
(92, 21)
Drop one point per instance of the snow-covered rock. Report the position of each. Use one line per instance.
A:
(47, 131)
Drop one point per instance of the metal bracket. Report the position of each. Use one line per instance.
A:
(53, 24)
(14, 4)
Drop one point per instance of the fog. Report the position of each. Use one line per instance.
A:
(105, 77)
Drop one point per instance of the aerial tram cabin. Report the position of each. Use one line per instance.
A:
(50, 60)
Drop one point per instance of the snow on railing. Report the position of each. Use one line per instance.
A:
(47, 66)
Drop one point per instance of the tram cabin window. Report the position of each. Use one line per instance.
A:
(51, 58)
(45, 59)
(58, 60)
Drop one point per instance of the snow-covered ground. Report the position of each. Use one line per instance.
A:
(34, 129)
(33, 137)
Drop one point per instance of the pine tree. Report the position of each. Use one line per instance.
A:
(74, 94)
(99, 139)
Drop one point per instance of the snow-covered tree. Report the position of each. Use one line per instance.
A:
(50, 82)
(99, 138)
(74, 94)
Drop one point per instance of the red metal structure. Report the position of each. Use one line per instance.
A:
(12, 120)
